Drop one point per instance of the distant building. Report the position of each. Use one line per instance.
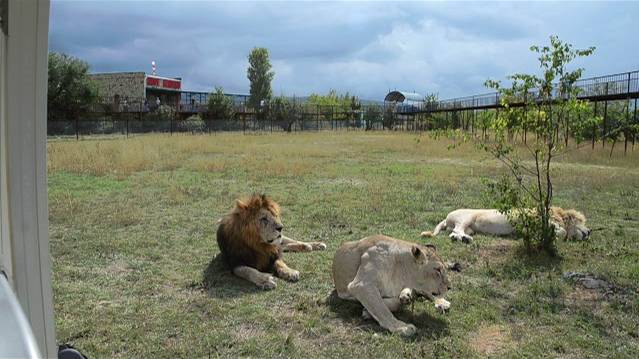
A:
(403, 97)
(140, 90)
(404, 101)
(136, 87)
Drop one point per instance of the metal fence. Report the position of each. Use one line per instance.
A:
(129, 116)
(129, 125)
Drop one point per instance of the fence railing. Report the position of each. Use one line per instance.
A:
(136, 115)
(600, 88)
(124, 125)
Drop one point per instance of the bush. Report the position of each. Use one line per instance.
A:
(220, 106)
(372, 115)
(283, 112)
(192, 124)
(388, 119)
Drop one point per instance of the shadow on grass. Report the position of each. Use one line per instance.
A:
(428, 327)
(219, 282)
(521, 265)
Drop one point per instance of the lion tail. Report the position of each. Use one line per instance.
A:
(440, 226)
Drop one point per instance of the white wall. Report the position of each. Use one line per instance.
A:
(25, 242)
(5, 244)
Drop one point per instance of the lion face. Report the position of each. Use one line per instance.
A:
(431, 278)
(256, 219)
(576, 228)
(572, 222)
(269, 227)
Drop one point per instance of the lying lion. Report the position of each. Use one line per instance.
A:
(384, 273)
(251, 242)
(465, 222)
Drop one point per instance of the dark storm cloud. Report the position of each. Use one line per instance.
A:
(363, 48)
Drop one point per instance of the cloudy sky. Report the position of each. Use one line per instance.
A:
(365, 48)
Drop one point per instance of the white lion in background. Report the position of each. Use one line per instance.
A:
(466, 222)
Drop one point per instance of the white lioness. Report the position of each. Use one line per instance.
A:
(384, 273)
(465, 222)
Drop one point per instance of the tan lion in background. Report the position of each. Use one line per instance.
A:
(384, 273)
(251, 242)
(466, 222)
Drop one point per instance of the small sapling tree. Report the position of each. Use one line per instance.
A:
(542, 107)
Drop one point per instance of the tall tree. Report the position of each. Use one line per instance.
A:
(70, 89)
(260, 74)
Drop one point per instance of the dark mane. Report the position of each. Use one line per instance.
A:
(238, 235)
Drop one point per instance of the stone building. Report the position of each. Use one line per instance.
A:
(137, 90)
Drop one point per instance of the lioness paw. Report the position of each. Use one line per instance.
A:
(406, 297)
(406, 330)
(442, 305)
(318, 246)
(267, 283)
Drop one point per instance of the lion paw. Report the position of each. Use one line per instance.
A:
(442, 305)
(405, 330)
(267, 283)
(318, 246)
(290, 275)
(467, 239)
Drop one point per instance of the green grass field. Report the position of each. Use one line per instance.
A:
(132, 230)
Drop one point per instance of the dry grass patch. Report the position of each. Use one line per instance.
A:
(490, 339)
(583, 296)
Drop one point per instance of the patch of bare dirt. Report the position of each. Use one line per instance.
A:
(496, 251)
(118, 267)
(353, 182)
(244, 332)
(489, 339)
(583, 296)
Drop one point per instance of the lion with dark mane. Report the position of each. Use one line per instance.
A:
(251, 242)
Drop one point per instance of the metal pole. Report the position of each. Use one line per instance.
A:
(626, 130)
(605, 120)
(332, 118)
(594, 128)
(634, 122)
(605, 125)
